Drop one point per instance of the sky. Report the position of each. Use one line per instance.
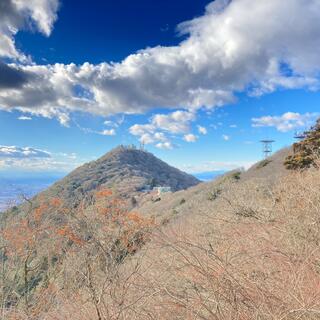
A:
(198, 83)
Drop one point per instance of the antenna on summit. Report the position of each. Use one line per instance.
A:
(267, 147)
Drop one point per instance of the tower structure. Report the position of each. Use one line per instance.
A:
(267, 147)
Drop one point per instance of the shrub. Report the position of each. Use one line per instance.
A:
(263, 163)
(213, 195)
(85, 248)
(236, 175)
(305, 152)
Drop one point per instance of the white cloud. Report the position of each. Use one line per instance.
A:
(27, 159)
(160, 136)
(141, 129)
(38, 165)
(147, 138)
(13, 152)
(287, 121)
(233, 126)
(108, 132)
(24, 118)
(221, 55)
(105, 132)
(202, 130)
(190, 137)
(177, 122)
(115, 123)
(21, 14)
(164, 145)
(109, 123)
(225, 137)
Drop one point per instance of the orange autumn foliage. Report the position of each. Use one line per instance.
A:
(56, 202)
(38, 212)
(103, 193)
(19, 237)
(67, 232)
(139, 220)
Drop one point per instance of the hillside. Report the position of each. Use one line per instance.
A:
(234, 248)
(126, 170)
(245, 246)
(200, 198)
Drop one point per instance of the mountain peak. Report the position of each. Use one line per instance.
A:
(123, 150)
(126, 169)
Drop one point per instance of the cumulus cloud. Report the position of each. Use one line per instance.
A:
(12, 77)
(202, 130)
(190, 137)
(286, 122)
(175, 122)
(157, 138)
(155, 131)
(237, 46)
(13, 152)
(21, 14)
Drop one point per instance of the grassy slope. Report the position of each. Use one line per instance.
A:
(200, 198)
(228, 249)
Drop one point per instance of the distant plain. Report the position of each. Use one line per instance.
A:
(12, 189)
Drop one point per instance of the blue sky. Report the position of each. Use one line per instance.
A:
(198, 82)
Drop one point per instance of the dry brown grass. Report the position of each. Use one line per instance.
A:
(255, 255)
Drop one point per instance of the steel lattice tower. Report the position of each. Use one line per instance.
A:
(267, 147)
